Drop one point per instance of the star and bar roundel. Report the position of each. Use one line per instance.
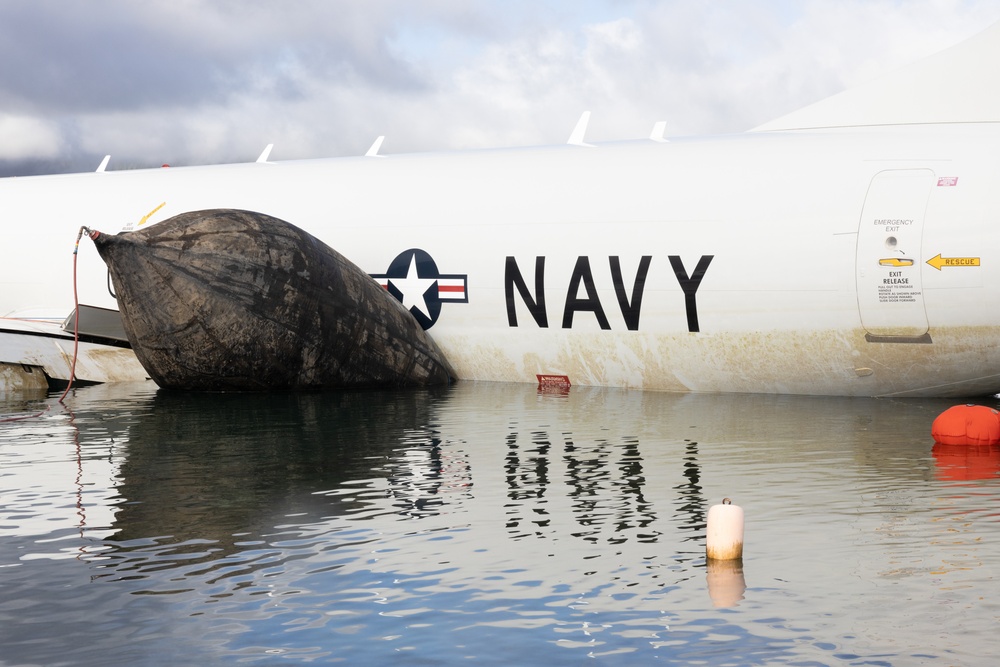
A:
(413, 278)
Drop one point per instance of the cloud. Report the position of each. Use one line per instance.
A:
(28, 138)
(194, 81)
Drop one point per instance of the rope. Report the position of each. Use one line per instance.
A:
(76, 330)
(76, 312)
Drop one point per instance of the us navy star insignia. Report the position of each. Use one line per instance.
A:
(413, 278)
(414, 288)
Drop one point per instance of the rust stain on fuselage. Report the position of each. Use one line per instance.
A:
(960, 361)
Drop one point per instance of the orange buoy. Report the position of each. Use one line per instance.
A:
(967, 425)
(724, 535)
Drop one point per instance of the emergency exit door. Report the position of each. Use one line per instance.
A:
(889, 265)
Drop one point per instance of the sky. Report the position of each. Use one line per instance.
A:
(185, 82)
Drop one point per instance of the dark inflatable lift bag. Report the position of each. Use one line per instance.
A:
(235, 300)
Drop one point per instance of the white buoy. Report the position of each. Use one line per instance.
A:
(724, 537)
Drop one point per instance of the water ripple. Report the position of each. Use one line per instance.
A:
(489, 523)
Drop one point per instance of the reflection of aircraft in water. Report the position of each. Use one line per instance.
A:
(850, 248)
(620, 465)
(618, 462)
(170, 480)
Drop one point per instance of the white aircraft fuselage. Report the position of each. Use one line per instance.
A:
(854, 261)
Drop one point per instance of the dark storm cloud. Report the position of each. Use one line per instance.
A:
(84, 57)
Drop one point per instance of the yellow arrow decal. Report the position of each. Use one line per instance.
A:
(150, 214)
(938, 261)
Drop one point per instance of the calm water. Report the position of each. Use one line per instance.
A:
(490, 525)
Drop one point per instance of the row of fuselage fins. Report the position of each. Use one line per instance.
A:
(576, 138)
